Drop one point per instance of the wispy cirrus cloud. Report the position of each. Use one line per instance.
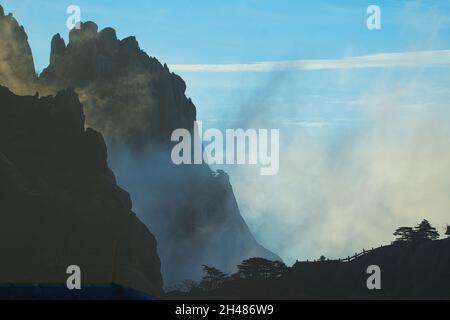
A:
(380, 60)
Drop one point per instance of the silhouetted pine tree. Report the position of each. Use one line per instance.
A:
(260, 268)
(424, 232)
(404, 234)
(213, 278)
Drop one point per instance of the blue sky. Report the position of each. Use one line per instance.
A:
(361, 146)
(241, 32)
(246, 31)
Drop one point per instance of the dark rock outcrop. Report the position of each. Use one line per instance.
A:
(60, 204)
(137, 103)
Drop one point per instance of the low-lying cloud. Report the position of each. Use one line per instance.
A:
(380, 60)
(340, 198)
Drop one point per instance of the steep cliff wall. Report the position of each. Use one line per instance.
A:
(60, 204)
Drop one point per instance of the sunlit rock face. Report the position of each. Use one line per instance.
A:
(60, 204)
(136, 103)
(16, 61)
(129, 97)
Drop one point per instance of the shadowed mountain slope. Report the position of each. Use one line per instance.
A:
(60, 204)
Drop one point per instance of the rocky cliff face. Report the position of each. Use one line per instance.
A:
(16, 61)
(129, 97)
(137, 103)
(60, 204)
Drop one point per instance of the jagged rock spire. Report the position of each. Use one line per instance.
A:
(16, 60)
